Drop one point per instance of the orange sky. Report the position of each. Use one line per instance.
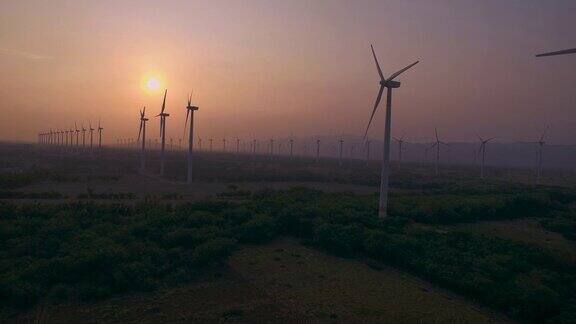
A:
(271, 68)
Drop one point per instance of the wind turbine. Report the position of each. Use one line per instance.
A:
(482, 151)
(437, 146)
(401, 142)
(224, 145)
(142, 131)
(389, 84)
(100, 129)
(317, 150)
(77, 135)
(340, 152)
(271, 149)
(237, 146)
(190, 111)
(71, 139)
(163, 116)
(210, 144)
(65, 139)
(83, 137)
(562, 52)
(291, 147)
(540, 143)
(91, 135)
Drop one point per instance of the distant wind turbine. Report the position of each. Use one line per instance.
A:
(190, 109)
(142, 132)
(77, 136)
(401, 142)
(100, 129)
(389, 84)
(540, 144)
(163, 116)
(237, 146)
(340, 151)
(482, 152)
(271, 149)
(317, 150)
(437, 146)
(91, 136)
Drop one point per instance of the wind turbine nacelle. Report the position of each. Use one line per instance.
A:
(391, 84)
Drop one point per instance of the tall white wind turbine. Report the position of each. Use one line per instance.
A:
(389, 84)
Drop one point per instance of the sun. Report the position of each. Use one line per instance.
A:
(152, 83)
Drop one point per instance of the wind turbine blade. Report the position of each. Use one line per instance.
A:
(562, 52)
(186, 122)
(436, 133)
(402, 71)
(140, 129)
(164, 101)
(374, 110)
(377, 64)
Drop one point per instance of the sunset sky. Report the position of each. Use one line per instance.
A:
(272, 68)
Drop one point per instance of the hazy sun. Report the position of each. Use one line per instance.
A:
(152, 83)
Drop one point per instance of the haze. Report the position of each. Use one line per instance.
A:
(272, 68)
